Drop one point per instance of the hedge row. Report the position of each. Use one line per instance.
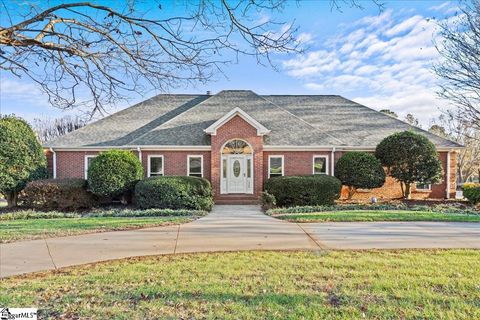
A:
(303, 190)
(471, 191)
(441, 208)
(190, 193)
(31, 214)
(58, 194)
(174, 192)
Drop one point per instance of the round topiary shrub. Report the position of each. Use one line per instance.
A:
(410, 158)
(174, 192)
(304, 190)
(359, 170)
(114, 173)
(58, 194)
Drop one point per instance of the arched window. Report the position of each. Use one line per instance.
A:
(236, 147)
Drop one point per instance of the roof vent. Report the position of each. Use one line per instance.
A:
(209, 93)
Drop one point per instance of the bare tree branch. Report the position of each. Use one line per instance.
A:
(460, 67)
(87, 54)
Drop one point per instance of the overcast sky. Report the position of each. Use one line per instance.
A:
(380, 59)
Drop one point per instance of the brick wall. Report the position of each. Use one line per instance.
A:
(176, 162)
(71, 164)
(237, 128)
(297, 163)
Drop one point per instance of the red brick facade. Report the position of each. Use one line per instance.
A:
(72, 163)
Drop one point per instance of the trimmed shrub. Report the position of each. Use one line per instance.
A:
(21, 157)
(114, 173)
(410, 158)
(471, 191)
(304, 190)
(174, 192)
(359, 170)
(58, 194)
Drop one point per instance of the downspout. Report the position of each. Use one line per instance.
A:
(139, 154)
(448, 176)
(54, 163)
(333, 161)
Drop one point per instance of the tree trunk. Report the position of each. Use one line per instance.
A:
(351, 192)
(124, 199)
(12, 199)
(407, 191)
(403, 189)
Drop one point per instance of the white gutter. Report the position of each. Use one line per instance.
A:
(448, 176)
(54, 163)
(139, 154)
(333, 161)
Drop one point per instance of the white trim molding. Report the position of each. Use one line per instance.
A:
(85, 164)
(149, 165)
(447, 195)
(261, 130)
(326, 163)
(54, 163)
(276, 156)
(135, 148)
(201, 163)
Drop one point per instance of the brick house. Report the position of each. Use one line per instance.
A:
(237, 139)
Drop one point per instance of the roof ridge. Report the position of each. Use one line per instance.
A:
(303, 120)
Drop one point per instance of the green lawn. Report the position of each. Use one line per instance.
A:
(26, 229)
(377, 215)
(403, 284)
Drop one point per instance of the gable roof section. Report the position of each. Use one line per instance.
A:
(212, 129)
(349, 121)
(176, 120)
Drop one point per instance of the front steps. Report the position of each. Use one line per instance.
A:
(236, 199)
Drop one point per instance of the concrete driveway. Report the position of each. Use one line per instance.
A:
(232, 228)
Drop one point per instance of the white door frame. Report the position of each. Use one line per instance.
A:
(248, 181)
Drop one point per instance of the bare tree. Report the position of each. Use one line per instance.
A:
(468, 161)
(48, 129)
(460, 67)
(88, 54)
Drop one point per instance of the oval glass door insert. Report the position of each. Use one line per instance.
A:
(236, 168)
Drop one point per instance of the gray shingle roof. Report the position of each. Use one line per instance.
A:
(296, 120)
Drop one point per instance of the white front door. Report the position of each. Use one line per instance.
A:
(236, 174)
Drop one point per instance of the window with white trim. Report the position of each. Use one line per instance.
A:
(155, 166)
(88, 161)
(423, 186)
(195, 166)
(275, 166)
(320, 165)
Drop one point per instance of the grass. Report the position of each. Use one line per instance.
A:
(404, 284)
(377, 215)
(28, 229)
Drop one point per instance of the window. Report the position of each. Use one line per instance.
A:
(236, 147)
(423, 186)
(195, 166)
(320, 165)
(155, 166)
(88, 161)
(275, 166)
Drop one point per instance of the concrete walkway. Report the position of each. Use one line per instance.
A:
(231, 228)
